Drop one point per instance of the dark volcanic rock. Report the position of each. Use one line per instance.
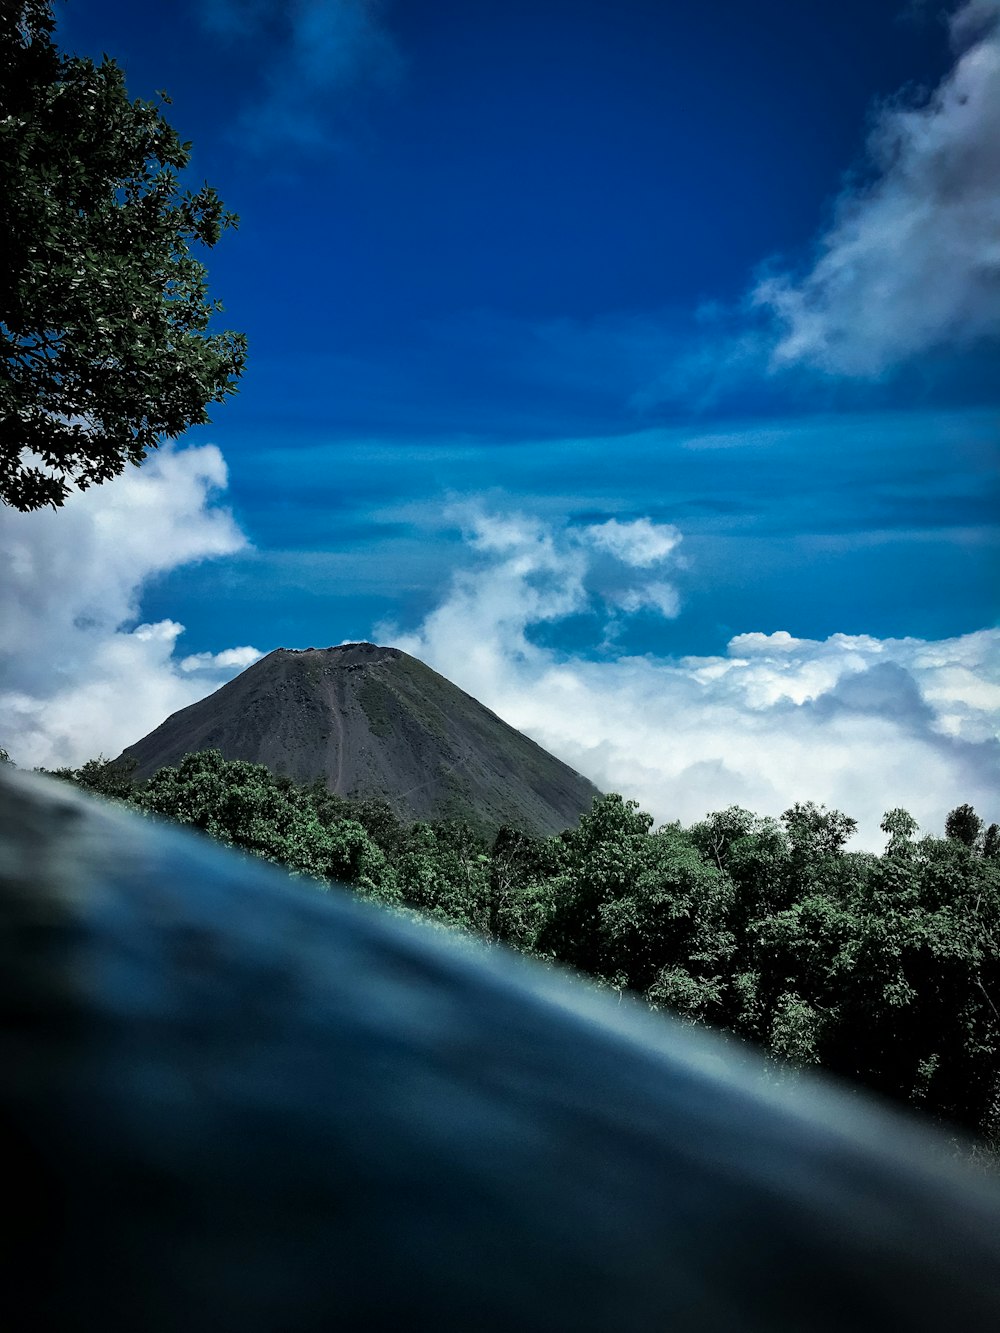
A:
(374, 721)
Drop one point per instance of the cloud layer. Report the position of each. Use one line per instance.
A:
(912, 258)
(78, 675)
(855, 722)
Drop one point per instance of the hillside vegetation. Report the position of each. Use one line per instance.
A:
(884, 969)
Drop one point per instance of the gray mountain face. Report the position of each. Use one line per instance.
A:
(374, 721)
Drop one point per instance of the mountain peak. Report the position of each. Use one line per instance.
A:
(373, 721)
(341, 655)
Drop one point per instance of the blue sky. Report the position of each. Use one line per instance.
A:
(728, 269)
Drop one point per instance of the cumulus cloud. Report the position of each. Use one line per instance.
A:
(237, 658)
(856, 722)
(316, 53)
(77, 675)
(640, 543)
(912, 258)
(527, 573)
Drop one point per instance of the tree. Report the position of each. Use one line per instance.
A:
(443, 872)
(755, 854)
(815, 832)
(666, 936)
(104, 313)
(519, 897)
(106, 777)
(964, 825)
(246, 806)
(599, 860)
(900, 826)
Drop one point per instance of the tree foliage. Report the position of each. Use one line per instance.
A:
(104, 312)
(246, 806)
(964, 825)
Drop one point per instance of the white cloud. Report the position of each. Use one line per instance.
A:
(75, 678)
(236, 658)
(859, 723)
(529, 573)
(912, 259)
(640, 543)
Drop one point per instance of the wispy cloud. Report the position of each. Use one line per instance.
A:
(909, 264)
(857, 722)
(912, 258)
(314, 56)
(79, 676)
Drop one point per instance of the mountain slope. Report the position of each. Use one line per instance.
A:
(374, 721)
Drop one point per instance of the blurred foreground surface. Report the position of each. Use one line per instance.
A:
(237, 1102)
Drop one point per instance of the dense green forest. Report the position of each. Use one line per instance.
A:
(884, 969)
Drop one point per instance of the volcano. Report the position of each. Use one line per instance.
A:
(376, 722)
